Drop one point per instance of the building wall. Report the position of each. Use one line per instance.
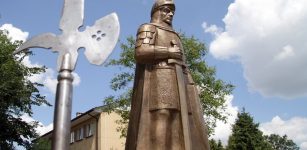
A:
(109, 138)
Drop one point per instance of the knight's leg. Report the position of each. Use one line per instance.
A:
(160, 133)
(176, 140)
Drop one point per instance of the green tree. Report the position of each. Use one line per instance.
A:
(41, 144)
(212, 89)
(17, 95)
(216, 145)
(281, 143)
(246, 135)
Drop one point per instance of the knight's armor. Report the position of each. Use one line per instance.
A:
(152, 47)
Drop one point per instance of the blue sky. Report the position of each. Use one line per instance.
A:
(257, 45)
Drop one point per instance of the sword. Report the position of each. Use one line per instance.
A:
(182, 101)
(98, 41)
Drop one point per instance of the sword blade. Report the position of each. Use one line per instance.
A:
(183, 108)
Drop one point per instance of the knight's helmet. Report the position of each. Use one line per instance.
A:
(160, 3)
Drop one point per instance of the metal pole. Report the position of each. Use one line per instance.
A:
(63, 102)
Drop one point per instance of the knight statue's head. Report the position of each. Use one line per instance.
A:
(162, 12)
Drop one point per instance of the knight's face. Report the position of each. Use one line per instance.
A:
(167, 13)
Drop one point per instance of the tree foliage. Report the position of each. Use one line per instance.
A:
(212, 90)
(17, 95)
(246, 135)
(281, 143)
(216, 145)
(41, 144)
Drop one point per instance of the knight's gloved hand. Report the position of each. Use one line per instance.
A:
(175, 53)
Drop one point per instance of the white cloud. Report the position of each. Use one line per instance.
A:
(50, 81)
(268, 37)
(303, 146)
(15, 33)
(213, 29)
(295, 128)
(41, 129)
(286, 52)
(27, 62)
(77, 79)
(222, 130)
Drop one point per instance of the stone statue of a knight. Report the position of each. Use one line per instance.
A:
(166, 112)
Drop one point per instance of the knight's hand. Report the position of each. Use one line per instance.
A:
(175, 52)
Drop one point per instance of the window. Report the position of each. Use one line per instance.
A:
(82, 132)
(79, 134)
(89, 129)
(72, 137)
